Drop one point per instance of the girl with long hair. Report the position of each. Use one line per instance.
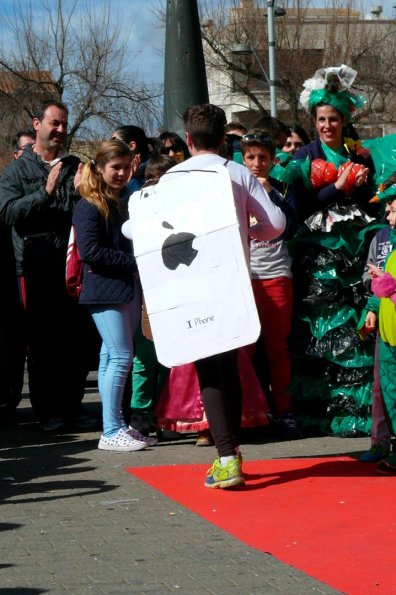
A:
(110, 287)
(142, 148)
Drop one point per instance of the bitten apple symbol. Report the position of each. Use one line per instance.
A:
(177, 248)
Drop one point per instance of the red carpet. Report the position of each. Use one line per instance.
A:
(332, 518)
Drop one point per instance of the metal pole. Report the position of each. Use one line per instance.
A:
(271, 56)
(261, 67)
(185, 81)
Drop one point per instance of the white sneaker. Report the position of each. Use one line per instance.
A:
(121, 442)
(150, 441)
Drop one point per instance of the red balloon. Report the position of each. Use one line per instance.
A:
(322, 173)
(349, 186)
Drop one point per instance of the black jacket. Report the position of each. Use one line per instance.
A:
(40, 222)
(109, 264)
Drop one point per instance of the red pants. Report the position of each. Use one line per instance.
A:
(274, 300)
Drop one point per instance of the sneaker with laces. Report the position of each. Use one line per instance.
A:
(227, 476)
(376, 453)
(121, 442)
(149, 440)
(239, 457)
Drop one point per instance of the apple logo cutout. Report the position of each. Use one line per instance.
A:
(177, 248)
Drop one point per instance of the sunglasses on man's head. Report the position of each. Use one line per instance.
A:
(265, 139)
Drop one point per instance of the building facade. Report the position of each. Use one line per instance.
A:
(306, 39)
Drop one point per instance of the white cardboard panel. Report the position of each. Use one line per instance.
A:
(198, 296)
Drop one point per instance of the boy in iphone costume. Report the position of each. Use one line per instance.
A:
(192, 266)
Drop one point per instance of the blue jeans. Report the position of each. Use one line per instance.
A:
(116, 325)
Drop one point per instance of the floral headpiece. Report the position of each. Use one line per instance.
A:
(331, 86)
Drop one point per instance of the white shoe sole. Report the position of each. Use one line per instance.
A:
(128, 448)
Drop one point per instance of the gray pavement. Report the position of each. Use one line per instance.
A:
(73, 521)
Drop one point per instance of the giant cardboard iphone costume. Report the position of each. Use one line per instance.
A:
(192, 266)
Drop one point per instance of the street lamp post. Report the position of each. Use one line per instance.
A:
(247, 49)
(261, 67)
(272, 12)
(271, 57)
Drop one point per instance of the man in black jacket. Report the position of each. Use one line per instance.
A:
(12, 341)
(37, 197)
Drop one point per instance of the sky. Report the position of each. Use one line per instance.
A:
(147, 39)
(144, 33)
(137, 23)
(146, 36)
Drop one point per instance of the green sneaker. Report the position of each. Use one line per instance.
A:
(210, 470)
(375, 454)
(217, 461)
(227, 476)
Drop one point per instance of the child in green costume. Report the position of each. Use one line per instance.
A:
(383, 286)
(379, 250)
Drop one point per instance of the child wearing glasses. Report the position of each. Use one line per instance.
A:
(270, 264)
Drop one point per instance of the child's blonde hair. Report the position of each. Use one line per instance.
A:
(92, 187)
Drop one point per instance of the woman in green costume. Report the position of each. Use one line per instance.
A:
(328, 98)
(332, 382)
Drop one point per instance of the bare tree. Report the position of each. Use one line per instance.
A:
(71, 50)
(306, 39)
(224, 25)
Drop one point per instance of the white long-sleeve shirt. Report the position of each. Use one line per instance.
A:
(250, 199)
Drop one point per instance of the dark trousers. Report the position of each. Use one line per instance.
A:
(57, 335)
(12, 336)
(220, 386)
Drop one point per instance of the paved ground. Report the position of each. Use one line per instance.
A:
(73, 521)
